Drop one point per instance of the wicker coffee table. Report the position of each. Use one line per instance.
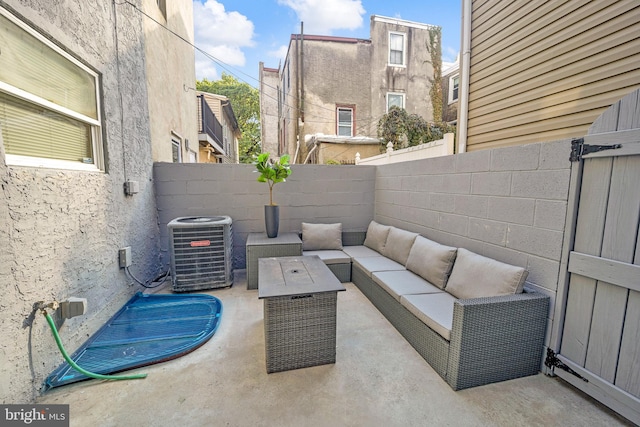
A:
(299, 294)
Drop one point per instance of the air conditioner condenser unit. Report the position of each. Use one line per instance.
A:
(201, 253)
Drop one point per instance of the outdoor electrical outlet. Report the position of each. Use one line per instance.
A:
(124, 257)
(73, 307)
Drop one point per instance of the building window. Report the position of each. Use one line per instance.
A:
(49, 102)
(176, 150)
(397, 49)
(454, 85)
(345, 121)
(396, 99)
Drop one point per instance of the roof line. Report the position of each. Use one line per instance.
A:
(329, 38)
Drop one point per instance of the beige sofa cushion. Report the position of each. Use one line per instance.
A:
(431, 261)
(330, 257)
(476, 276)
(359, 251)
(371, 264)
(316, 237)
(399, 244)
(403, 282)
(435, 310)
(376, 236)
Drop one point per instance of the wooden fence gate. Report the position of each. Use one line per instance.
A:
(595, 342)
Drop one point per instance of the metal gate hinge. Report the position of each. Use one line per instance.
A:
(579, 149)
(552, 361)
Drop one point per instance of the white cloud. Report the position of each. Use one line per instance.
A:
(323, 16)
(280, 53)
(449, 54)
(220, 34)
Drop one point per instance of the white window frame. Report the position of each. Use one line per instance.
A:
(404, 49)
(97, 163)
(451, 81)
(176, 141)
(338, 125)
(401, 95)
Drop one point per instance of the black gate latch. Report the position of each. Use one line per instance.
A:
(579, 149)
(552, 361)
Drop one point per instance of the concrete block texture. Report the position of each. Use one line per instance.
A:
(515, 210)
(491, 183)
(523, 157)
(535, 241)
(508, 204)
(488, 231)
(541, 184)
(472, 206)
(550, 214)
(477, 161)
(555, 155)
(318, 193)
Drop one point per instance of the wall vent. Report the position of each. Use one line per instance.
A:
(201, 253)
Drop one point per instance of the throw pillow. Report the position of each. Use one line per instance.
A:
(399, 244)
(376, 236)
(431, 261)
(476, 276)
(318, 237)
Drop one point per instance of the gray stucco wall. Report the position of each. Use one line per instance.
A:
(313, 193)
(508, 204)
(60, 230)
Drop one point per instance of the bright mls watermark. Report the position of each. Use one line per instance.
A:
(34, 415)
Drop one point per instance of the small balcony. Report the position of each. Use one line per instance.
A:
(209, 127)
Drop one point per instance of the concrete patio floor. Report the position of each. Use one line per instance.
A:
(377, 380)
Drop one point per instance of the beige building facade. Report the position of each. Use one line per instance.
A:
(170, 64)
(341, 86)
(269, 82)
(543, 70)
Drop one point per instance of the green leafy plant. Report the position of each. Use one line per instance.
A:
(272, 172)
(407, 130)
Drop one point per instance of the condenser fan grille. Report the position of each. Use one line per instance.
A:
(201, 253)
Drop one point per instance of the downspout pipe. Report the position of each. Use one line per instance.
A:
(465, 65)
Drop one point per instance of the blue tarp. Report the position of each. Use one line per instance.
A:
(148, 329)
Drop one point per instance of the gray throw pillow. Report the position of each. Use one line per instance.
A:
(431, 261)
(376, 236)
(317, 237)
(476, 276)
(399, 244)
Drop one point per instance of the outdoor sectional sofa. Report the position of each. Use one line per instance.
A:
(466, 315)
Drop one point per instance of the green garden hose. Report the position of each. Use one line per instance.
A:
(78, 368)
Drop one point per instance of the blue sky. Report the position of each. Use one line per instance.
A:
(241, 33)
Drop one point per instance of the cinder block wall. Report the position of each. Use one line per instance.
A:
(508, 204)
(313, 193)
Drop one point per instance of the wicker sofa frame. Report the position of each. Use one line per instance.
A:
(492, 339)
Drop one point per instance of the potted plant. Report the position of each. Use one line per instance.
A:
(272, 172)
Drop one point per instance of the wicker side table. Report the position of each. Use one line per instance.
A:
(261, 246)
(299, 295)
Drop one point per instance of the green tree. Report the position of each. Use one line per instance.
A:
(245, 101)
(406, 130)
(392, 127)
